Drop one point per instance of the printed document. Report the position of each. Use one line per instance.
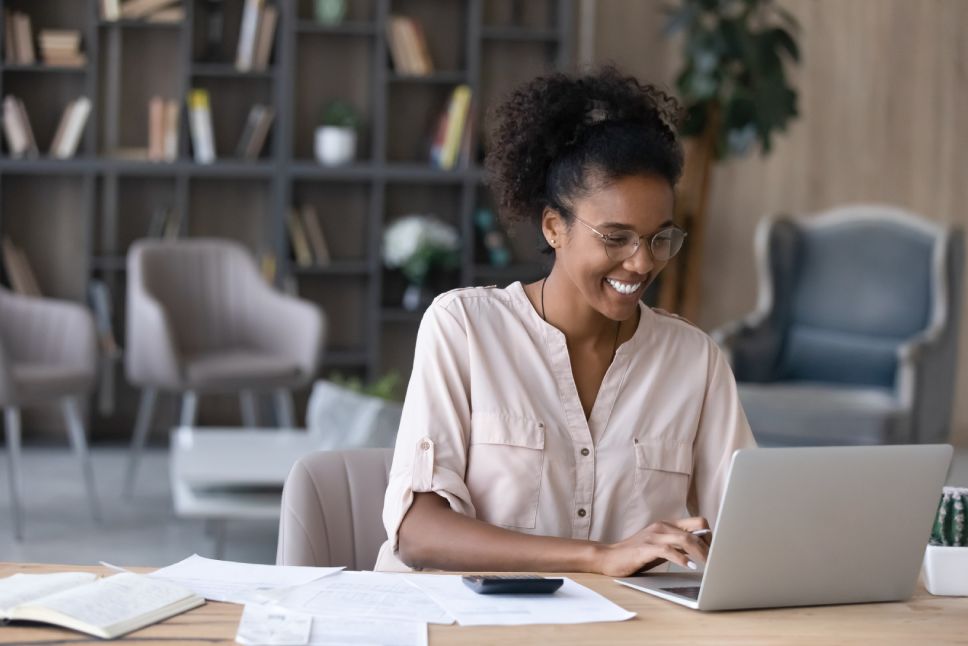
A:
(237, 582)
(271, 625)
(572, 603)
(363, 595)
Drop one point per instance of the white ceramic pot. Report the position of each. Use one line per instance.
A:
(335, 145)
(946, 570)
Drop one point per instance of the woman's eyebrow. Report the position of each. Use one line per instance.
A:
(622, 225)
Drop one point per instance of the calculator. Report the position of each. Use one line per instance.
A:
(512, 584)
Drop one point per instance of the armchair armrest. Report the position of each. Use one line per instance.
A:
(151, 356)
(751, 345)
(289, 326)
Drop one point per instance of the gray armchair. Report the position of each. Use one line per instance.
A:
(854, 337)
(48, 354)
(332, 509)
(201, 319)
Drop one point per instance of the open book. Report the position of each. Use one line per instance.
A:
(106, 608)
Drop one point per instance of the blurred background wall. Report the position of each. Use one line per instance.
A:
(884, 118)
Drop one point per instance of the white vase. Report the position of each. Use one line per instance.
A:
(946, 570)
(334, 145)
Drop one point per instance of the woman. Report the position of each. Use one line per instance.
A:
(563, 425)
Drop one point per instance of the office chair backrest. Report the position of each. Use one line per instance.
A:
(855, 283)
(332, 508)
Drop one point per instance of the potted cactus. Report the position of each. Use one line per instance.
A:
(946, 559)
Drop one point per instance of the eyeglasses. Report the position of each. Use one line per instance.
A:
(622, 245)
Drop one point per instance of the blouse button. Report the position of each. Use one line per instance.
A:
(425, 446)
(582, 513)
(585, 452)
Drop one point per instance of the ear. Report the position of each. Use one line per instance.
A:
(553, 227)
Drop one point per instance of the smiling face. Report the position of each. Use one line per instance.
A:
(639, 203)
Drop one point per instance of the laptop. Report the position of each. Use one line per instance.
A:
(815, 526)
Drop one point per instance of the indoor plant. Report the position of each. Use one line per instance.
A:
(417, 244)
(734, 88)
(946, 558)
(344, 413)
(335, 138)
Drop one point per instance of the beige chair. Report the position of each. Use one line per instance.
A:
(48, 353)
(332, 508)
(201, 319)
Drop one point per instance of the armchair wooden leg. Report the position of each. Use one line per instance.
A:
(189, 408)
(78, 437)
(283, 401)
(247, 406)
(141, 427)
(12, 427)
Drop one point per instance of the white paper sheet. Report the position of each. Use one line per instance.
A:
(237, 582)
(340, 631)
(363, 595)
(571, 604)
(273, 626)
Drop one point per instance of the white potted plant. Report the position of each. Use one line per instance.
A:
(335, 139)
(417, 244)
(946, 558)
(343, 413)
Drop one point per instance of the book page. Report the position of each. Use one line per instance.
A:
(21, 588)
(112, 600)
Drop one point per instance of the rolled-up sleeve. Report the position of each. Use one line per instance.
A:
(431, 447)
(723, 429)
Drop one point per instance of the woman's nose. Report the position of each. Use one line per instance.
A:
(640, 262)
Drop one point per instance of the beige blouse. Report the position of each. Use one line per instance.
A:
(493, 423)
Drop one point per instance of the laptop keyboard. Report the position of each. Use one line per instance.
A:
(690, 592)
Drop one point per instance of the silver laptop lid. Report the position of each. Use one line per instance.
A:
(824, 525)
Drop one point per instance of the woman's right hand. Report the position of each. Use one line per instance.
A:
(651, 546)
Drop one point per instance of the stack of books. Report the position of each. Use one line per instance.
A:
(163, 116)
(62, 47)
(454, 133)
(408, 47)
(18, 38)
(150, 10)
(256, 36)
(19, 272)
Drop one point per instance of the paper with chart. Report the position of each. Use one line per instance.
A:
(571, 604)
(272, 625)
(361, 595)
(237, 582)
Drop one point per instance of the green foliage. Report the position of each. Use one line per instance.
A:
(341, 114)
(949, 523)
(386, 387)
(734, 53)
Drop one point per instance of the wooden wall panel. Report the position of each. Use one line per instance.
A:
(884, 103)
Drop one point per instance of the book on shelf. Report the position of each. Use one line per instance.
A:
(110, 9)
(169, 15)
(105, 607)
(172, 120)
(9, 39)
(451, 129)
(138, 9)
(314, 233)
(256, 130)
(71, 127)
(17, 130)
(265, 37)
(408, 46)
(297, 239)
(23, 39)
(268, 266)
(61, 47)
(200, 126)
(158, 220)
(173, 225)
(156, 128)
(99, 298)
(248, 32)
(19, 272)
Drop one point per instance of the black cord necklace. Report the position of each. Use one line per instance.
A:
(618, 324)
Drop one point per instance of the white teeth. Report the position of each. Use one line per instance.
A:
(623, 288)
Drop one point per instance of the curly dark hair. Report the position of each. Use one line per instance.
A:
(558, 136)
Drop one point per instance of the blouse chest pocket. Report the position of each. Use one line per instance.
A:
(505, 461)
(663, 467)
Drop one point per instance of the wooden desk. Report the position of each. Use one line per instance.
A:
(923, 619)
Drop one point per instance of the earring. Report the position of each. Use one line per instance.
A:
(554, 243)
